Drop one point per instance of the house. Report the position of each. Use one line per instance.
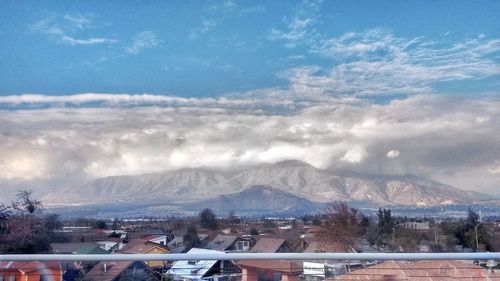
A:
(271, 245)
(139, 246)
(422, 270)
(110, 245)
(229, 243)
(122, 270)
(204, 269)
(115, 232)
(257, 270)
(176, 245)
(77, 248)
(156, 238)
(30, 271)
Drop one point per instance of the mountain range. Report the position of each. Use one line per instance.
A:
(266, 187)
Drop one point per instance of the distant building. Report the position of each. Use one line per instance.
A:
(416, 225)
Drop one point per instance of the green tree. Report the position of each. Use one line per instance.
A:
(191, 238)
(254, 231)
(385, 224)
(100, 224)
(208, 219)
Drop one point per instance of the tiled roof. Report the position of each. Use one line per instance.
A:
(267, 245)
(113, 270)
(277, 265)
(422, 271)
(221, 242)
(77, 248)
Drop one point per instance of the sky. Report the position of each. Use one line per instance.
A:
(91, 89)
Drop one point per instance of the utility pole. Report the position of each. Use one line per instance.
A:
(477, 240)
(393, 238)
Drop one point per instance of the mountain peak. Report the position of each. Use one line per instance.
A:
(294, 163)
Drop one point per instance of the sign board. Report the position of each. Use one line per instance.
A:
(315, 269)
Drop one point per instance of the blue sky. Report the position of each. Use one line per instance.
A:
(211, 48)
(91, 89)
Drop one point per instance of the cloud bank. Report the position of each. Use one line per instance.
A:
(438, 137)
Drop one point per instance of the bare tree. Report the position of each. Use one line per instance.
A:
(341, 231)
(25, 203)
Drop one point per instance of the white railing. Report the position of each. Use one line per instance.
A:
(256, 256)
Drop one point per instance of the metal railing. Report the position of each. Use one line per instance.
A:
(256, 256)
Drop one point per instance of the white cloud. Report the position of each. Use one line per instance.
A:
(88, 41)
(300, 29)
(67, 28)
(79, 21)
(355, 155)
(393, 153)
(378, 63)
(206, 25)
(144, 40)
(441, 137)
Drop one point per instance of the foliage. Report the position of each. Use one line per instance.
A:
(465, 232)
(385, 221)
(114, 235)
(232, 218)
(254, 231)
(191, 238)
(208, 219)
(100, 224)
(116, 224)
(268, 224)
(25, 230)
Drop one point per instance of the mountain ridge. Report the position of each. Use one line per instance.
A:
(297, 178)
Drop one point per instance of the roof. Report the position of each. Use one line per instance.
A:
(222, 242)
(31, 266)
(421, 270)
(267, 245)
(154, 236)
(315, 247)
(193, 269)
(113, 269)
(140, 246)
(77, 248)
(282, 266)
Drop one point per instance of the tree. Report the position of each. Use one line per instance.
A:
(254, 231)
(52, 223)
(232, 218)
(26, 203)
(341, 230)
(5, 214)
(116, 224)
(465, 231)
(208, 219)
(191, 238)
(100, 224)
(25, 230)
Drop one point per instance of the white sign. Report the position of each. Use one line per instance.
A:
(315, 269)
